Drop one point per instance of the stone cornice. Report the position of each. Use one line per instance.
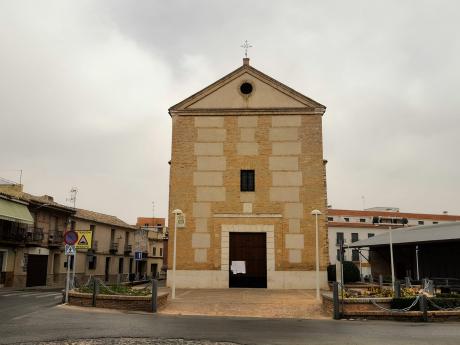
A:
(245, 111)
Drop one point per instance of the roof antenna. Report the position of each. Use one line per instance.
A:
(73, 196)
(364, 201)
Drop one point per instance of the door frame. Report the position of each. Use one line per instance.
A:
(269, 229)
(30, 281)
(245, 280)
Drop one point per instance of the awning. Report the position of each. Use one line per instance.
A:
(414, 235)
(15, 212)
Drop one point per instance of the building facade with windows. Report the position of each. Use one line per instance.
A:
(247, 169)
(31, 236)
(32, 247)
(350, 226)
(157, 238)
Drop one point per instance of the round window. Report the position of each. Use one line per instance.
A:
(246, 88)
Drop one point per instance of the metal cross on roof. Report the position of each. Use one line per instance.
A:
(246, 46)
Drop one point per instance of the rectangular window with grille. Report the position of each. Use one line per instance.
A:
(339, 238)
(92, 261)
(120, 265)
(355, 255)
(354, 237)
(247, 182)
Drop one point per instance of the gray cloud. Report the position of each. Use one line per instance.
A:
(85, 87)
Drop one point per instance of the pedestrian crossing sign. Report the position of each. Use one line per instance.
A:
(70, 249)
(85, 239)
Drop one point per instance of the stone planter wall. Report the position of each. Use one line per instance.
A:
(363, 308)
(351, 305)
(138, 303)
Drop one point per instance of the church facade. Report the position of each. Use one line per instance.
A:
(247, 169)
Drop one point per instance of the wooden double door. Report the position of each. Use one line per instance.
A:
(251, 248)
(37, 267)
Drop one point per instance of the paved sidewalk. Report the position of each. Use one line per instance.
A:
(246, 303)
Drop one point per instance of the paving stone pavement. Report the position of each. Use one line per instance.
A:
(129, 341)
(246, 303)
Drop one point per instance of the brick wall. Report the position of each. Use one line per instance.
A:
(139, 303)
(286, 154)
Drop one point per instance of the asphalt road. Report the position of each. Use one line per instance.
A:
(16, 304)
(33, 320)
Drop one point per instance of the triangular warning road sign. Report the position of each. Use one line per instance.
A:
(83, 240)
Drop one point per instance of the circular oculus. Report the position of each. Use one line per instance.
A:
(246, 88)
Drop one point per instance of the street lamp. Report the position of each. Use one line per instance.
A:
(317, 213)
(392, 261)
(176, 213)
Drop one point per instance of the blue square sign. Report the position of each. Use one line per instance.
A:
(137, 255)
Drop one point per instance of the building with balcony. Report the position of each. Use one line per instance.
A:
(153, 236)
(349, 226)
(111, 256)
(31, 235)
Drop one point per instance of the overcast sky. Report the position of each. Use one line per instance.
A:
(85, 88)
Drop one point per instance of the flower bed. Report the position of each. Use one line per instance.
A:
(439, 308)
(116, 290)
(125, 302)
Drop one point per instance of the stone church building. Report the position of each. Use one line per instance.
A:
(247, 169)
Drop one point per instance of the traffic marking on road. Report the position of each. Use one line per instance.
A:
(13, 294)
(49, 295)
(30, 294)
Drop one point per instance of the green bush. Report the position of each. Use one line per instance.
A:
(447, 295)
(117, 289)
(350, 272)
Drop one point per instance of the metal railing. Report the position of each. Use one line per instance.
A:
(56, 238)
(128, 249)
(34, 235)
(114, 247)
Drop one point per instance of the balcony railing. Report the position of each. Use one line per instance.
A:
(55, 238)
(113, 247)
(34, 235)
(14, 235)
(128, 248)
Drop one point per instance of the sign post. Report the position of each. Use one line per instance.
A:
(179, 222)
(69, 251)
(84, 241)
(70, 238)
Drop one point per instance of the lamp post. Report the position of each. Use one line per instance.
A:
(176, 213)
(392, 262)
(316, 213)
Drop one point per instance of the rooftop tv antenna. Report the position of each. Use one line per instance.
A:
(73, 196)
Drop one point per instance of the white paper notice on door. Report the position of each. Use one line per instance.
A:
(238, 267)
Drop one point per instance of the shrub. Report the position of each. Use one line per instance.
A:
(350, 272)
(117, 289)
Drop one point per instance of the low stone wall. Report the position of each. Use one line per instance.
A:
(363, 308)
(138, 303)
(351, 305)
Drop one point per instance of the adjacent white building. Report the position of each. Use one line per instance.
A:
(355, 225)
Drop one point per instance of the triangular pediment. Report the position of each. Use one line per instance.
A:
(267, 93)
